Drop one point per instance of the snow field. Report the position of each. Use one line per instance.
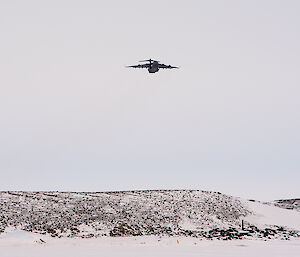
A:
(18, 244)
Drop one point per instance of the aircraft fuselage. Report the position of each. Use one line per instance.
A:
(153, 67)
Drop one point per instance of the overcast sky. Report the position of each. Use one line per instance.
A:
(72, 117)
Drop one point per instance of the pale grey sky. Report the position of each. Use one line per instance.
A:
(72, 117)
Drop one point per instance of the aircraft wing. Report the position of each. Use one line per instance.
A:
(164, 66)
(139, 66)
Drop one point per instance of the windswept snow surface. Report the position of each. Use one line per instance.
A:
(144, 246)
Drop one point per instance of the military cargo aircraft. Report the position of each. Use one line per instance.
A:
(152, 66)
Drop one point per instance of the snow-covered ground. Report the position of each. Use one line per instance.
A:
(26, 244)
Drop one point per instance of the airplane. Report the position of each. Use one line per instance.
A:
(153, 66)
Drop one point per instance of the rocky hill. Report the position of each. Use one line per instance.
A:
(133, 213)
(291, 204)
